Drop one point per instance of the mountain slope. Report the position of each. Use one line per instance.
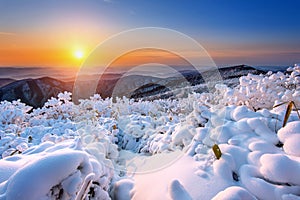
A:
(6, 81)
(230, 76)
(34, 92)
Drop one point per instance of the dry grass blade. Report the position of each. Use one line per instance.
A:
(217, 151)
(279, 105)
(85, 187)
(287, 113)
(297, 110)
(14, 152)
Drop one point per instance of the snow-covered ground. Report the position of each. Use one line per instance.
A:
(162, 149)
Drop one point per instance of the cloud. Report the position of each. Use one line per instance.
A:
(108, 1)
(7, 33)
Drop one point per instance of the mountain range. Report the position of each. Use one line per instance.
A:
(36, 92)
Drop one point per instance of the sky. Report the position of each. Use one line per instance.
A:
(48, 33)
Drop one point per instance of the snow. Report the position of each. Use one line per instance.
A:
(177, 191)
(280, 168)
(234, 193)
(42, 173)
(161, 149)
(122, 189)
(290, 136)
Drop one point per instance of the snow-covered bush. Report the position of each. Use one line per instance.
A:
(79, 147)
(13, 113)
(259, 91)
(54, 171)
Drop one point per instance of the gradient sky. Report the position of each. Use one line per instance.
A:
(46, 33)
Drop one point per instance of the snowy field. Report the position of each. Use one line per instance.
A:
(162, 149)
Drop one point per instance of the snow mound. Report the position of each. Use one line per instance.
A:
(177, 191)
(290, 136)
(49, 171)
(122, 189)
(234, 193)
(280, 168)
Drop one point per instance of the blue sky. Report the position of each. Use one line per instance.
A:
(234, 31)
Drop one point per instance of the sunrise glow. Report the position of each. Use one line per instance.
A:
(78, 54)
(51, 39)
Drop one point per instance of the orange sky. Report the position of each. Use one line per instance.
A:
(140, 57)
(55, 47)
(58, 51)
(42, 50)
(46, 33)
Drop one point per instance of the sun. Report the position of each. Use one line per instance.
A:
(78, 54)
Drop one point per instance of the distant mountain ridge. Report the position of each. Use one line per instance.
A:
(5, 81)
(230, 76)
(36, 92)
